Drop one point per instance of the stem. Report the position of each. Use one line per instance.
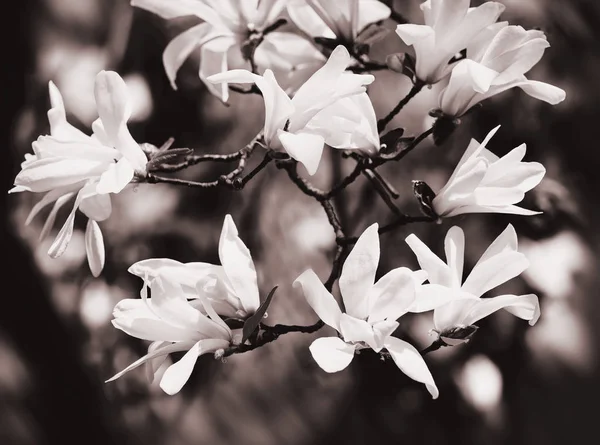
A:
(151, 178)
(433, 347)
(402, 221)
(413, 144)
(416, 88)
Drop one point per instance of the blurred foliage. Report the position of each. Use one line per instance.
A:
(511, 384)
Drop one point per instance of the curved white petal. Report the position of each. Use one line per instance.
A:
(355, 330)
(392, 295)
(495, 271)
(332, 354)
(319, 298)
(358, 273)
(178, 373)
(116, 177)
(94, 247)
(411, 363)
(213, 61)
(438, 272)
(239, 267)
(114, 109)
(175, 347)
(96, 207)
(432, 296)
(306, 148)
(526, 307)
(180, 48)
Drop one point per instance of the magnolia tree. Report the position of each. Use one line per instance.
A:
(314, 81)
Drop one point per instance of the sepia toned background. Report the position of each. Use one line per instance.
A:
(511, 385)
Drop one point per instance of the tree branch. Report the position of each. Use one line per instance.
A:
(416, 88)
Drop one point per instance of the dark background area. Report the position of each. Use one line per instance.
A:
(512, 384)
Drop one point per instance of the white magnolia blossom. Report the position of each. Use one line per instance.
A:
(227, 24)
(450, 26)
(70, 164)
(172, 324)
(340, 19)
(498, 264)
(371, 312)
(484, 183)
(331, 107)
(231, 288)
(497, 60)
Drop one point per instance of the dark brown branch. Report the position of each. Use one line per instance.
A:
(416, 88)
(401, 221)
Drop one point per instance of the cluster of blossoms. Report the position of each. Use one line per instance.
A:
(315, 95)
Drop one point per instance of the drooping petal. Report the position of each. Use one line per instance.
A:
(306, 148)
(213, 61)
(332, 354)
(96, 207)
(438, 272)
(319, 298)
(178, 373)
(175, 347)
(94, 247)
(239, 267)
(152, 365)
(61, 241)
(543, 91)
(411, 363)
(51, 218)
(47, 199)
(526, 307)
(358, 273)
(392, 295)
(180, 48)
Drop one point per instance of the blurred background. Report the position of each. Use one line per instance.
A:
(512, 384)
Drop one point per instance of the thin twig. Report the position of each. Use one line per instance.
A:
(416, 88)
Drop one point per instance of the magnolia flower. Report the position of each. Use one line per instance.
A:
(342, 20)
(497, 60)
(484, 183)
(316, 114)
(231, 288)
(173, 324)
(222, 36)
(68, 164)
(371, 312)
(499, 263)
(450, 25)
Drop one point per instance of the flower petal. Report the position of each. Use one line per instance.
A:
(306, 148)
(96, 207)
(411, 363)
(319, 298)
(175, 347)
(180, 48)
(392, 295)
(358, 273)
(213, 61)
(178, 373)
(433, 296)
(116, 177)
(239, 267)
(114, 108)
(526, 307)
(355, 330)
(438, 272)
(332, 354)
(94, 247)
